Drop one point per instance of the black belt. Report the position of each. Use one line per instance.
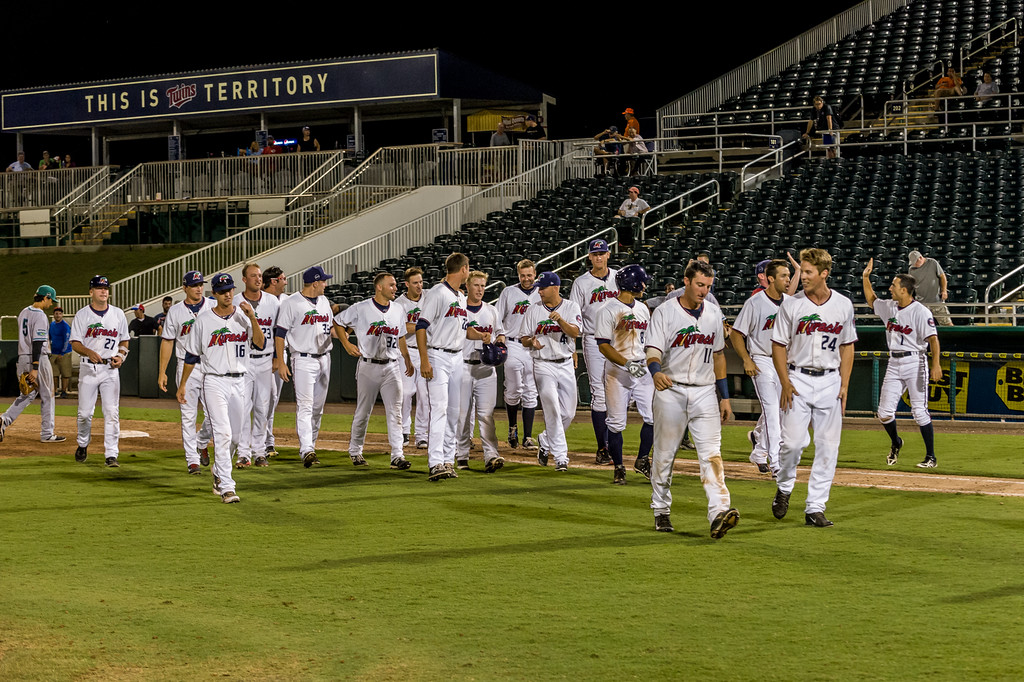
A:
(810, 372)
(472, 362)
(902, 354)
(262, 355)
(513, 338)
(378, 362)
(101, 362)
(547, 360)
(233, 375)
(444, 350)
(312, 355)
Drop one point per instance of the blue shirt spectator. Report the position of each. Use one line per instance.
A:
(60, 334)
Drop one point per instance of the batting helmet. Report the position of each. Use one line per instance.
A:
(632, 278)
(494, 354)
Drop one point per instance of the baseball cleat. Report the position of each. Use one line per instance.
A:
(780, 505)
(358, 460)
(562, 466)
(619, 477)
(752, 438)
(405, 439)
(194, 469)
(437, 473)
(309, 459)
(642, 465)
(928, 463)
(662, 524)
(80, 454)
(450, 468)
(542, 456)
(261, 461)
(513, 437)
(229, 497)
(400, 463)
(817, 519)
(204, 456)
(894, 452)
(463, 464)
(243, 463)
(421, 445)
(723, 522)
(494, 464)
(602, 456)
(53, 439)
(112, 462)
(271, 452)
(686, 444)
(530, 443)
(763, 468)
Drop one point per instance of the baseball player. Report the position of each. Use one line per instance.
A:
(520, 386)
(685, 355)
(589, 292)
(812, 348)
(414, 385)
(910, 332)
(752, 342)
(222, 339)
(177, 326)
(379, 326)
(304, 325)
(34, 358)
(440, 333)
(550, 331)
(259, 383)
(99, 334)
(621, 329)
(274, 282)
(479, 379)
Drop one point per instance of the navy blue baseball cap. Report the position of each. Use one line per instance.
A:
(548, 279)
(192, 278)
(99, 282)
(762, 266)
(315, 274)
(599, 246)
(222, 283)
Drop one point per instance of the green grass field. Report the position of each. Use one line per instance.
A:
(336, 572)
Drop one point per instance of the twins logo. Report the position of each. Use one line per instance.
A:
(413, 316)
(380, 328)
(690, 336)
(769, 323)
(225, 335)
(547, 327)
(630, 323)
(314, 317)
(186, 328)
(96, 330)
(601, 294)
(455, 311)
(812, 323)
(893, 326)
(520, 307)
(180, 94)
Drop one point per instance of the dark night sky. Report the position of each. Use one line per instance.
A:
(580, 60)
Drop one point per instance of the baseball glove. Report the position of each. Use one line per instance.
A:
(636, 368)
(24, 384)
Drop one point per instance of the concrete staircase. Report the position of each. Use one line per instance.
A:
(108, 221)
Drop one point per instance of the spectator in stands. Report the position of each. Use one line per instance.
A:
(500, 137)
(949, 85)
(534, 130)
(20, 164)
(632, 125)
(272, 147)
(820, 122)
(60, 353)
(654, 302)
(160, 317)
(143, 324)
(607, 146)
(931, 286)
(308, 143)
(67, 162)
(48, 162)
(987, 88)
(633, 207)
(254, 149)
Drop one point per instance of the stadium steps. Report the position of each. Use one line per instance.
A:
(104, 225)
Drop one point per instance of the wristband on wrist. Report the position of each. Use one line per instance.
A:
(723, 388)
(654, 367)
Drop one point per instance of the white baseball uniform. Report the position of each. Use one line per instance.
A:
(416, 384)
(813, 335)
(625, 328)
(275, 387)
(178, 324)
(589, 293)
(554, 373)
(223, 346)
(520, 386)
(259, 381)
(102, 332)
(907, 331)
(378, 330)
(444, 314)
(33, 326)
(688, 341)
(755, 323)
(479, 384)
(306, 326)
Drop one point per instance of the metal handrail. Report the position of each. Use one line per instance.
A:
(711, 198)
(1005, 297)
(614, 241)
(990, 41)
(778, 162)
(305, 187)
(913, 77)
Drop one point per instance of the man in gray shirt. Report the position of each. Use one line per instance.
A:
(931, 286)
(500, 137)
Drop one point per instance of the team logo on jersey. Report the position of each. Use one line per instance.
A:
(186, 327)
(96, 330)
(812, 323)
(381, 327)
(893, 326)
(630, 322)
(547, 327)
(413, 316)
(691, 336)
(602, 294)
(225, 335)
(480, 328)
(769, 322)
(454, 310)
(520, 307)
(314, 317)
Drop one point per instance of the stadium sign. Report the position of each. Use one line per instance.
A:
(350, 81)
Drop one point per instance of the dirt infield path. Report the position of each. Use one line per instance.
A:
(22, 440)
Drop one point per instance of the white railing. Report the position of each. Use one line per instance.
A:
(684, 206)
(44, 188)
(780, 159)
(408, 166)
(1005, 298)
(329, 174)
(72, 304)
(478, 166)
(981, 43)
(448, 219)
(580, 250)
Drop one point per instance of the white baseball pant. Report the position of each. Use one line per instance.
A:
(479, 394)
(596, 364)
(310, 377)
(910, 372)
(520, 385)
(190, 440)
(415, 385)
(225, 405)
(275, 398)
(258, 388)
(621, 387)
(556, 389)
(44, 389)
(104, 381)
(371, 379)
(675, 409)
(445, 392)
(769, 426)
(818, 407)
